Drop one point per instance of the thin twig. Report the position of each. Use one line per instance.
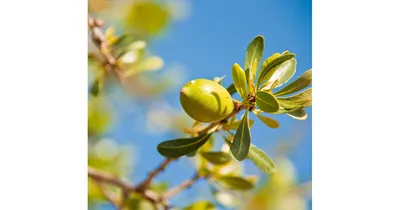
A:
(107, 194)
(105, 177)
(145, 184)
(101, 43)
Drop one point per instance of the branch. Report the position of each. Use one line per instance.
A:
(144, 185)
(100, 41)
(105, 177)
(101, 177)
(112, 198)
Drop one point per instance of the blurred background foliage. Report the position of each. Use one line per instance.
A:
(126, 122)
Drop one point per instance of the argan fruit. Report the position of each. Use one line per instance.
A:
(206, 101)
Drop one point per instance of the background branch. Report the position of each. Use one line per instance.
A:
(142, 188)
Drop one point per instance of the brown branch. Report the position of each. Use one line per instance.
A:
(105, 177)
(145, 184)
(112, 198)
(101, 43)
(101, 177)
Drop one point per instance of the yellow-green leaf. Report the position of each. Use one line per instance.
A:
(235, 124)
(300, 100)
(151, 63)
(268, 121)
(272, 67)
(302, 82)
(239, 80)
(270, 59)
(261, 160)
(254, 51)
(147, 17)
(179, 147)
(217, 158)
(285, 72)
(241, 141)
(299, 114)
(236, 182)
(266, 102)
(200, 205)
(252, 75)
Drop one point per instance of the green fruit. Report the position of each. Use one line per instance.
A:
(206, 101)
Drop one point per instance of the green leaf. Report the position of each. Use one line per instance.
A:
(299, 114)
(285, 52)
(241, 141)
(266, 102)
(178, 147)
(231, 89)
(192, 154)
(268, 121)
(236, 183)
(239, 80)
(254, 51)
(272, 67)
(133, 202)
(286, 71)
(217, 158)
(270, 59)
(235, 124)
(261, 160)
(302, 82)
(160, 187)
(284, 111)
(200, 205)
(300, 100)
(95, 88)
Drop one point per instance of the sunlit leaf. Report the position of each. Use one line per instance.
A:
(217, 158)
(302, 82)
(99, 117)
(302, 99)
(252, 74)
(147, 17)
(200, 205)
(235, 124)
(123, 41)
(261, 160)
(285, 52)
(270, 69)
(178, 147)
(109, 34)
(151, 63)
(285, 72)
(254, 51)
(226, 198)
(241, 141)
(280, 75)
(236, 182)
(268, 121)
(239, 80)
(266, 102)
(269, 60)
(299, 114)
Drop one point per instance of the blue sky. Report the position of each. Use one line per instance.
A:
(207, 44)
